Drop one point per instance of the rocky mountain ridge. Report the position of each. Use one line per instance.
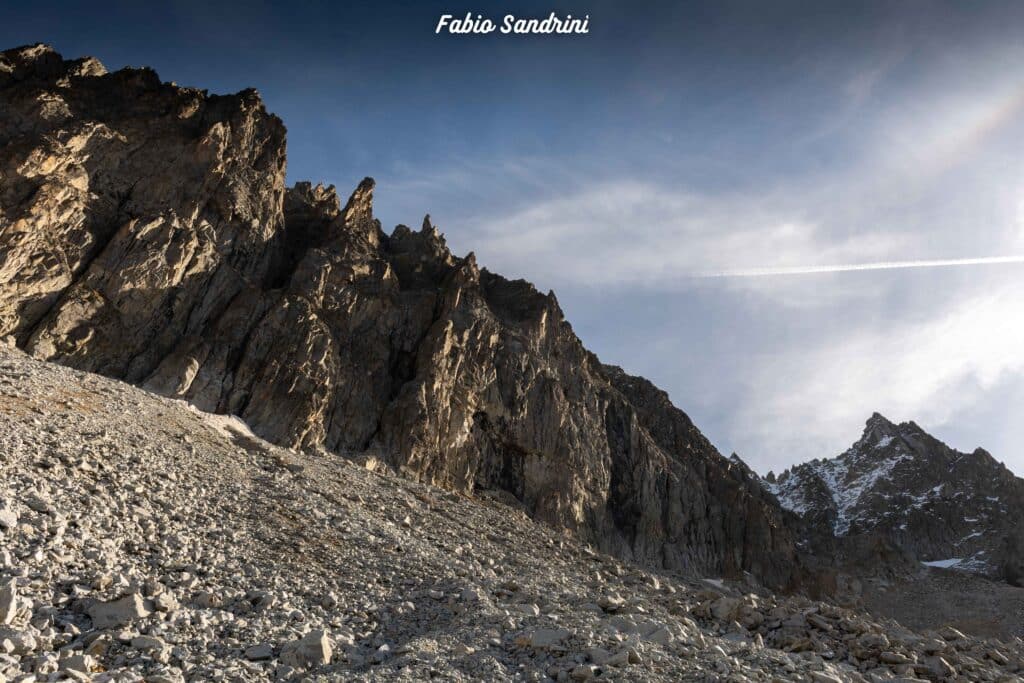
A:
(899, 484)
(146, 234)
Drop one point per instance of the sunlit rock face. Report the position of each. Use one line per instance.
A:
(147, 234)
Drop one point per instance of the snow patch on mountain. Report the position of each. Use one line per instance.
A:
(944, 564)
(790, 495)
(846, 480)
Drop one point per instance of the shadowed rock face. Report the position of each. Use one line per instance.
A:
(147, 234)
(901, 487)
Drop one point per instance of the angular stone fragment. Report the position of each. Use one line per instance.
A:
(8, 516)
(661, 635)
(546, 638)
(39, 503)
(81, 663)
(118, 612)
(165, 602)
(951, 634)
(611, 603)
(940, 668)
(873, 641)
(312, 650)
(528, 609)
(148, 643)
(583, 672)
(824, 677)
(22, 642)
(260, 652)
(8, 602)
(723, 608)
(894, 658)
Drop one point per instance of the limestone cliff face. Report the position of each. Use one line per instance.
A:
(146, 233)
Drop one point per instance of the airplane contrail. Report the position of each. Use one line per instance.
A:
(848, 267)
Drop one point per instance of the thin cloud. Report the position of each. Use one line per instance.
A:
(852, 267)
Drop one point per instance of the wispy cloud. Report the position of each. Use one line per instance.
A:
(934, 371)
(906, 207)
(639, 234)
(855, 267)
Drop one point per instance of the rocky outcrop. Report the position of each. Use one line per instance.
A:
(900, 489)
(147, 235)
(133, 210)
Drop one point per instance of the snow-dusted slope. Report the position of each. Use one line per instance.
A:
(950, 509)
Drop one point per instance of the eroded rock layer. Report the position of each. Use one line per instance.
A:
(147, 234)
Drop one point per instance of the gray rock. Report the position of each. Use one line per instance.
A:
(874, 641)
(940, 668)
(611, 603)
(312, 650)
(8, 516)
(951, 634)
(262, 651)
(894, 658)
(36, 502)
(823, 677)
(22, 642)
(119, 612)
(207, 600)
(80, 663)
(165, 602)
(661, 635)
(8, 601)
(724, 608)
(547, 638)
(624, 657)
(147, 643)
(583, 672)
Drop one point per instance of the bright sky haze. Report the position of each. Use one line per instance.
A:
(776, 147)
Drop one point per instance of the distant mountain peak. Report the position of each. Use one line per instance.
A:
(878, 418)
(948, 508)
(879, 429)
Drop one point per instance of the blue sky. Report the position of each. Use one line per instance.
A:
(675, 138)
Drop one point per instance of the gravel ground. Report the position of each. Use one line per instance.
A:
(973, 604)
(143, 540)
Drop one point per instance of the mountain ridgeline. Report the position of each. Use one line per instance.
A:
(902, 493)
(147, 234)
